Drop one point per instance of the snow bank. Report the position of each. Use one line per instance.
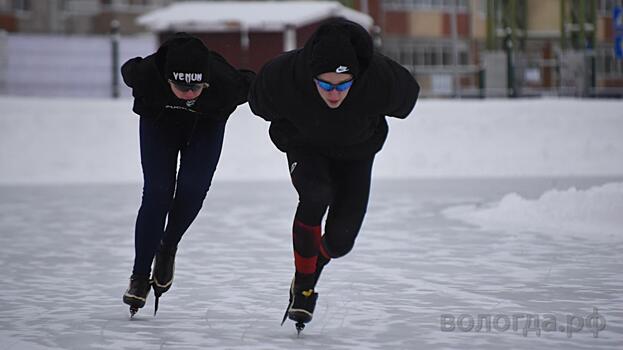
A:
(45, 140)
(593, 214)
(507, 138)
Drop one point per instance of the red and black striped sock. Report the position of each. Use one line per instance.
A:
(306, 241)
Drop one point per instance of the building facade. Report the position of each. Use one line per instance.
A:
(554, 45)
(249, 33)
(74, 16)
(454, 47)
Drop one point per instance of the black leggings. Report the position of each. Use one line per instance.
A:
(342, 186)
(172, 196)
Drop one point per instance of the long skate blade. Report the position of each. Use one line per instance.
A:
(156, 305)
(285, 316)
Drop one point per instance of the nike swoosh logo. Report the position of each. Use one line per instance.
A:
(341, 69)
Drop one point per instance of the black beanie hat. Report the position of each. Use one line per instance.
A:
(333, 52)
(187, 62)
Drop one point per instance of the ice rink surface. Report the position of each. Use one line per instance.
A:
(67, 250)
(500, 213)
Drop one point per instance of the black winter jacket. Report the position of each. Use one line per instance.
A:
(153, 96)
(285, 94)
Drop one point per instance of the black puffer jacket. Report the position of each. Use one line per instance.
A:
(285, 94)
(153, 97)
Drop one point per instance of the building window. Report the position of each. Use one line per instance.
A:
(480, 8)
(435, 58)
(426, 5)
(605, 7)
(463, 58)
(61, 5)
(127, 5)
(432, 54)
(22, 5)
(606, 64)
(446, 56)
(418, 58)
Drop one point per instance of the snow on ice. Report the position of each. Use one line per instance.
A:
(593, 214)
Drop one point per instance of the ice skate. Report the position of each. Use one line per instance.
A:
(136, 294)
(301, 306)
(164, 268)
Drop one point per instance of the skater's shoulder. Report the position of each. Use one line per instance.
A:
(137, 70)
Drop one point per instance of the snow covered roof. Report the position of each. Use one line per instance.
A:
(252, 15)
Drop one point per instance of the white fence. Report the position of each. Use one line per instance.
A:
(73, 66)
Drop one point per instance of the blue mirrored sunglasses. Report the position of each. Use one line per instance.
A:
(326, 86)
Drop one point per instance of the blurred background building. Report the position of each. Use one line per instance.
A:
(249, 33)
(455, 48)
(74, 16)
(503, 47)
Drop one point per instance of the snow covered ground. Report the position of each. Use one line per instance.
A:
(93, 141)
(594, 213)
(484, 211)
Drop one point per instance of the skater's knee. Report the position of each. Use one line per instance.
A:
(313, 205)
(192, 191)
(338, 250)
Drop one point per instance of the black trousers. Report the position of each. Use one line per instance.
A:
(340, 186)
(172, 196)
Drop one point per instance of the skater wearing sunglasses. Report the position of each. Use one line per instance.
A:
(184, 94)
(327, 104)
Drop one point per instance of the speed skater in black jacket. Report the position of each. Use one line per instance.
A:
(327, 104)
(184, 94)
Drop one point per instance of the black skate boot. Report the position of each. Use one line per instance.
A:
(303, 297)
(302, 304)
(136, 294)
(164, 268)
